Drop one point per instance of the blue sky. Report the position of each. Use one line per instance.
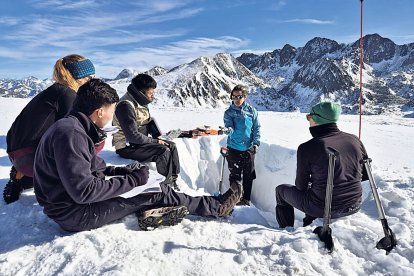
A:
(142, 34)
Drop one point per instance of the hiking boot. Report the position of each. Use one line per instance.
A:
(243, 202)
(14, 188)
(230, 198)
(164, 216)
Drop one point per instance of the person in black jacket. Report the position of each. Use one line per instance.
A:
(69, 178)
(308, 194)
(50, 105)
(138, 136)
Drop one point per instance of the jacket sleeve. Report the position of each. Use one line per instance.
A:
(73, 157)
(364, 156)
(127, 120)
(228, 122)
(256, 129)
(302, 170)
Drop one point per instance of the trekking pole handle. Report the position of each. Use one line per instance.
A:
(224, 151)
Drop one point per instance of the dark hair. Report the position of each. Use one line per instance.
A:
(93, 95)
(142, 82)
(241, 88)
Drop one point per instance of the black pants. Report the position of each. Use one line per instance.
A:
(166, 157)
(289, 197)
(94, 215)
(241, 166)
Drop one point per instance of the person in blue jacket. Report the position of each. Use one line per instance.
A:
(243, 129)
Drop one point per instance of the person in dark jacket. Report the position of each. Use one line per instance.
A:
(308, 194)
(243, 129)
(50, 105)
(69, 178)
(138, 136)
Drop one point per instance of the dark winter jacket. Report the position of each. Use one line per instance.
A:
(39, 114)
(312, 167)
(132, 117)
(244, 126)
(68, 174)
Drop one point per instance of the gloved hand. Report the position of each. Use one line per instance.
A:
(134, 166)
(253, 149)
(224, 130)
(112, 170)
(140, 175)
(122, 170)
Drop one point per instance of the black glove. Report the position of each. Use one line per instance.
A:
(224, 130)
(122, 170)
(140, 175)
(112, 170)
(253, 149)
(133, 166)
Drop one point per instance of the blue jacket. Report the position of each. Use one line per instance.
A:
(244, 126)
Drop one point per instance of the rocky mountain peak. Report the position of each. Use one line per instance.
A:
(127, 74)
(316, 48)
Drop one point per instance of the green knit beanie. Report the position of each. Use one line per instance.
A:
(325, 113)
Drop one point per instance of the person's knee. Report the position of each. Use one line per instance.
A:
(280, 191)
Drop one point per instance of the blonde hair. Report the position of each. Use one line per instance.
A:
(62, 75)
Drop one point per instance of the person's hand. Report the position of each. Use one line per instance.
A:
(224, 130)
(122, 171)
(141, 175)
(134, 166)
(253, 149)
(162, 142)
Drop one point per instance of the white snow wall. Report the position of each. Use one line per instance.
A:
(201, 162)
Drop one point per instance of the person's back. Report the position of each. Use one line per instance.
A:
(347, 190)
(38, 115)
(308, 194)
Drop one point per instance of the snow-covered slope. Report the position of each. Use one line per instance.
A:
(249, 241)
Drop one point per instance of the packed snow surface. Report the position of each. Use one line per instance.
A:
(246, 243)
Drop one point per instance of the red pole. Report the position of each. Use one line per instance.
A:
(360, 76)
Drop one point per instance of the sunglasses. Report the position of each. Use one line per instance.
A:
(239, 97)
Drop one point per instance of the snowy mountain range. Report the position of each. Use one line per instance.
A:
(285, 79)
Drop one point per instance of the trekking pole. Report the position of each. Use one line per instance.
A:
(389, 241)
(224, 152)
(325, 232)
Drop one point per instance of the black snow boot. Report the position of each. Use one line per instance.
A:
(164, 216)
(14, 187)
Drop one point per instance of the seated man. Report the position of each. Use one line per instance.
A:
(132, 141)
(69, 178)
(308, 194)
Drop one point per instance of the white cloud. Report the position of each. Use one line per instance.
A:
(308, 21)
(111, 63)
(64, 4)
(9, 21)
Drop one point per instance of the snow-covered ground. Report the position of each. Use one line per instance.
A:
(247, 243)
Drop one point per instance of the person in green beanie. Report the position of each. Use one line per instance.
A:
(308, 193)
